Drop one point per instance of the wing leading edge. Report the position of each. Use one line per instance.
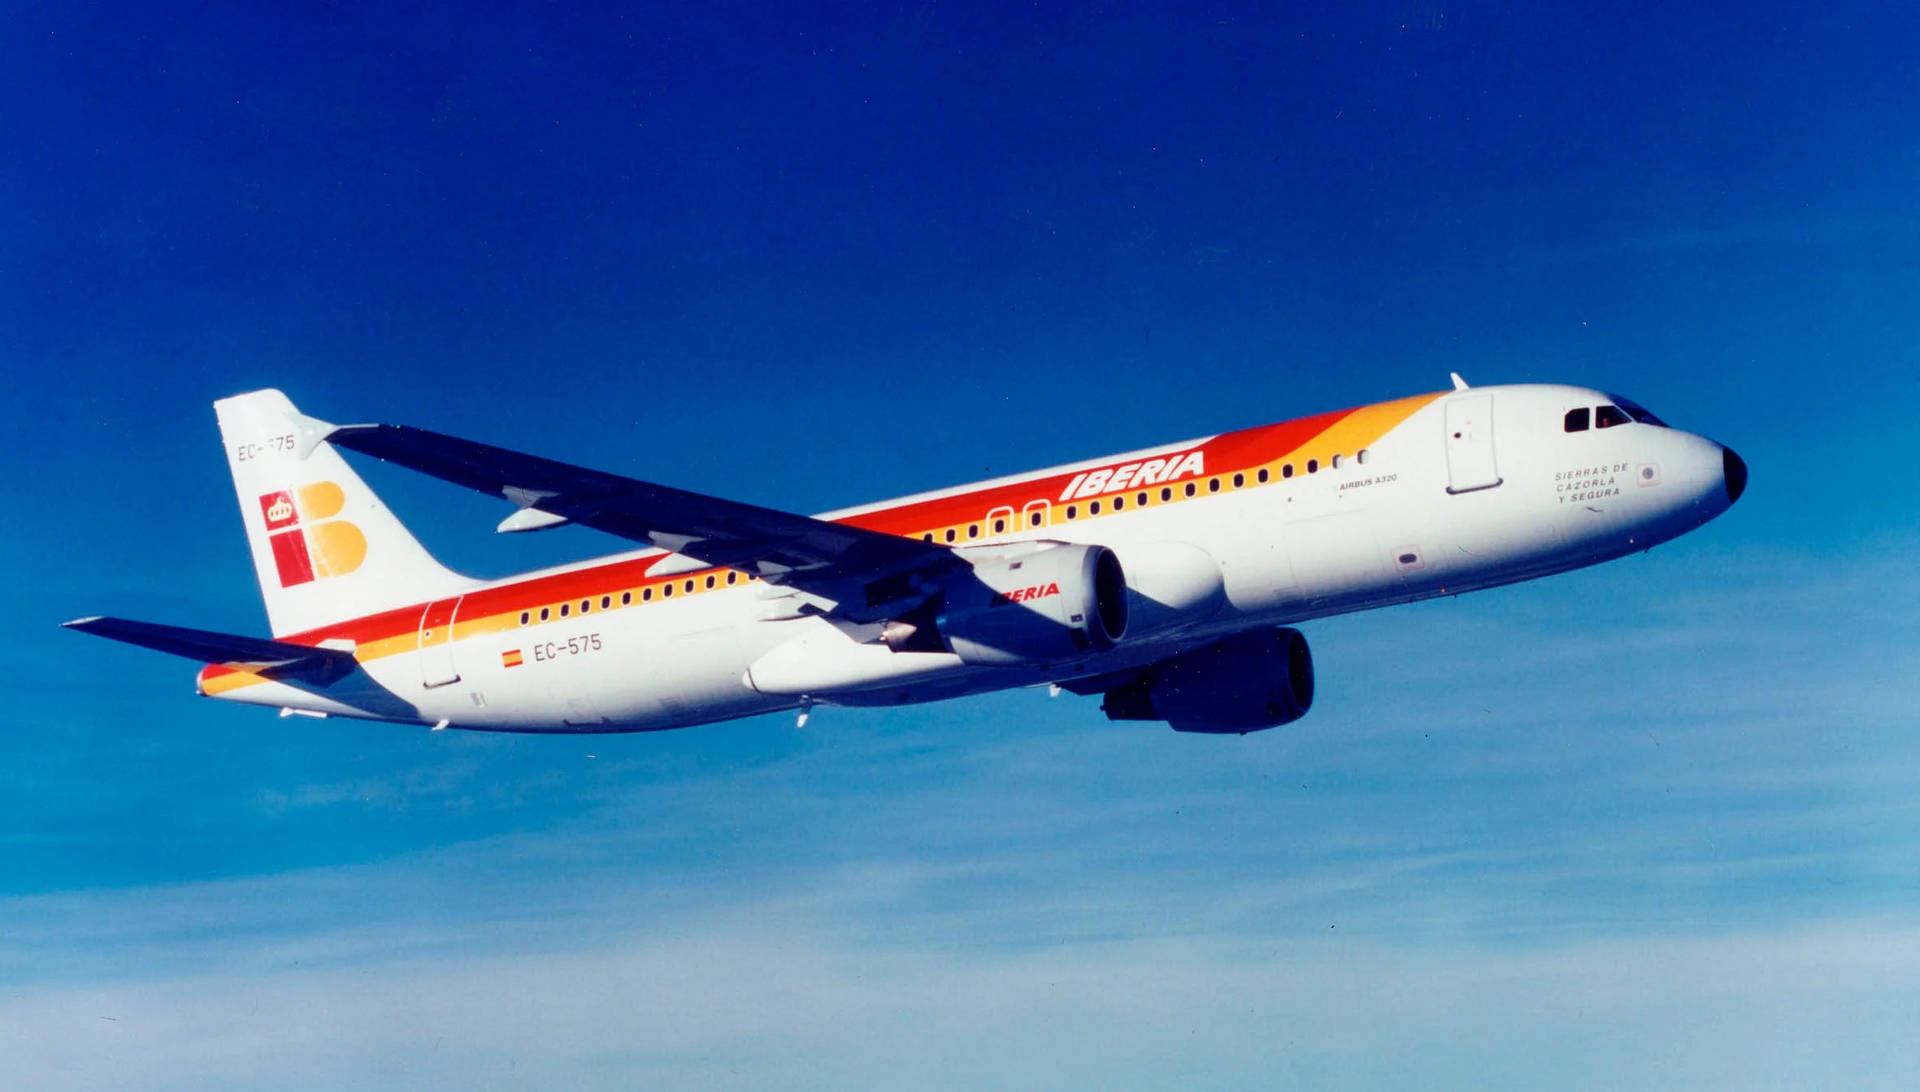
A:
(812, 555)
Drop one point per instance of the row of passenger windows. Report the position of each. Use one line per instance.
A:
(1037, 516)
(627, 598)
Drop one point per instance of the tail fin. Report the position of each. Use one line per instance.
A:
(324, 547)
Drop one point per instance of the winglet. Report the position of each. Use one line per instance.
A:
(1459, 384)
(309, 433)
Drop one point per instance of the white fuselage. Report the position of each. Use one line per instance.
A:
(1479, 487)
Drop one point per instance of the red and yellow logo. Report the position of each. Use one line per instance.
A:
(308, 544)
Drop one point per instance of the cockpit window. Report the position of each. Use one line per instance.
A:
(1639, 412)
(1577, 419)
(1609, 416)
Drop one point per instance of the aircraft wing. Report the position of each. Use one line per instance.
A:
(809, 554)
(254, 653)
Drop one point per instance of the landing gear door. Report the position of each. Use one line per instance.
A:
(1470, 464)
(436, 643)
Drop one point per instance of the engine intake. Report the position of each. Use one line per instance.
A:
(1238, 684)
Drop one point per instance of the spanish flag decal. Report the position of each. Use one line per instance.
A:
(510, 658)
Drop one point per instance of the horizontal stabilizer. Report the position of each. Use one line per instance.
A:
(253, 653)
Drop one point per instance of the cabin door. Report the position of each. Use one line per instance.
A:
(1470, 464)
(436, 643)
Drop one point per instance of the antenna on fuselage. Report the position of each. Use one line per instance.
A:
(1459, 384)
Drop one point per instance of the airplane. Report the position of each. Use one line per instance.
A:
(1169, 580)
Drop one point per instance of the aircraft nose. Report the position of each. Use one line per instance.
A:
(1734, 468)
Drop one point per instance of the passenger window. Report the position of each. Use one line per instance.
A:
(928, 537)
(689, 588)
(545, 613)
(1140, 499)
(1119, 502)
(1191, 490)
(606, 601)
(973, 530)
(731, 577)
(1286, 471)
(626, 598)
(1034, 519)
(1263, 475)
(711, 581)
(1166, 493)
(1213, 485)
(1609, 416)
(666, 590)
(1313, 466)
(951, 535)
(564, 608)
(1361, 456)
(646, 595)
(525, 618)
(1577, 419)
(1335, 463)
(586, 605)
(1093, 508)
(999, 525)
(1239, 480)
(1073, 511)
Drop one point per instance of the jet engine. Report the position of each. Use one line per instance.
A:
(1047, 606)
(1238, 684)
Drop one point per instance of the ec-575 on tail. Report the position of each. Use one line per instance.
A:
(1165, 579)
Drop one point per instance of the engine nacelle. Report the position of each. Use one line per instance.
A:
(1238, 684)
(1171, 586)
(1049, 606)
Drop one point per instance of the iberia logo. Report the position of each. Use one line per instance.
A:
(1113, 479)
(308, 544)
(1021, 595)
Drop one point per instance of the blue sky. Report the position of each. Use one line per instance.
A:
(1648, 824)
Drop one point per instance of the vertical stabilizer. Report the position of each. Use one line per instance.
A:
(324, 548)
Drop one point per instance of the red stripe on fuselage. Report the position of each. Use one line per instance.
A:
(1225, 453)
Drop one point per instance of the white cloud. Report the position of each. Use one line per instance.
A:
(797, 991)
(1449, 876)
